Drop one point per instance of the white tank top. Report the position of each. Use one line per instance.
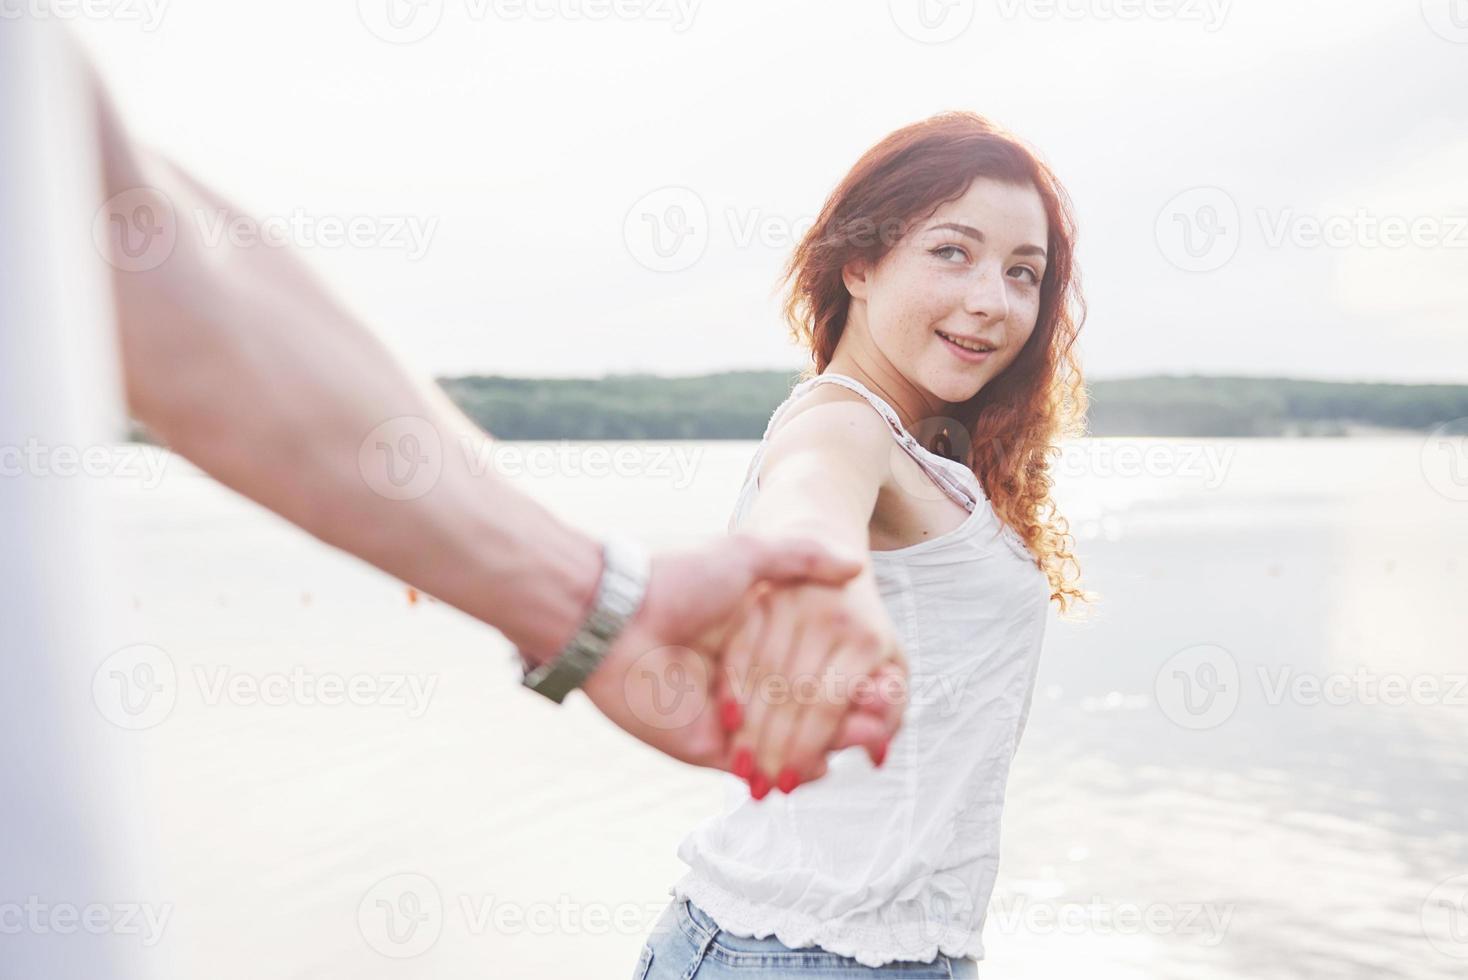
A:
(896, 863)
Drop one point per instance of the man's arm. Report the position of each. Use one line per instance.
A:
(241, 361)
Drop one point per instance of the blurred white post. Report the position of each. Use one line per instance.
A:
(64, 832)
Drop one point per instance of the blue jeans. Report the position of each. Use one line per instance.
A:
(686, 943)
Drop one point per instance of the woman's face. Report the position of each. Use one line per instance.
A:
(967, 276)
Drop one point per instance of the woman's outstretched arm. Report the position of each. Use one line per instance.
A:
(802, 656)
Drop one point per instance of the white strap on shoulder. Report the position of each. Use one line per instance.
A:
(948, 481)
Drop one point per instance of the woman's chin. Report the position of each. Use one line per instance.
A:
(955, 389)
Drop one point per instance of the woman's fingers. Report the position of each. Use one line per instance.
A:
(738, 670)
(820, 716)
(799, 685)
(887, 702)
(777, 639)
(735, 658)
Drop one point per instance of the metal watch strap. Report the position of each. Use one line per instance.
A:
(618, 597)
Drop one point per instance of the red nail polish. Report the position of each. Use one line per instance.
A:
(730, 715)
(788, 780)
(881, 755)
(759, 785)
(743, 764)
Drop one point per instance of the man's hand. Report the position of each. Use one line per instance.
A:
(659, 680)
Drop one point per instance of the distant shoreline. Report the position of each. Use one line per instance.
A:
(738, 404)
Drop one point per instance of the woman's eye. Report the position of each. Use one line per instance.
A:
(1034, 276)
(943, 251)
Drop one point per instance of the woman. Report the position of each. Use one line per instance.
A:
(938, 296)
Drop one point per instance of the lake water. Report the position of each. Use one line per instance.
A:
(1248, 762)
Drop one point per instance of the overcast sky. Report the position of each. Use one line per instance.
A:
(576, 187)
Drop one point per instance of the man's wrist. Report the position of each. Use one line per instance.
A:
(563, 582)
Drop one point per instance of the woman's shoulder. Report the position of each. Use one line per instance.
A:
(834, 428)
(831, 410)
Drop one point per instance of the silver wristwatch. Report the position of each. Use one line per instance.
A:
(618, 597)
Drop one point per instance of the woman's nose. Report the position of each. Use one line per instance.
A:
(986, 295)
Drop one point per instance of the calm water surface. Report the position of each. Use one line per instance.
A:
(1222, 775)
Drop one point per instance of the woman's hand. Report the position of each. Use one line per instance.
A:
(797, 662)
(658, 679)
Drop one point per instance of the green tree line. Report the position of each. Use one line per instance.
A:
(737, 405)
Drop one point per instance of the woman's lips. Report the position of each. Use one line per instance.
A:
(963, 353)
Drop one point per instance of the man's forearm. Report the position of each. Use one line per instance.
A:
(242, 362)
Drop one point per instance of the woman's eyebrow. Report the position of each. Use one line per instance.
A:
(978, 236)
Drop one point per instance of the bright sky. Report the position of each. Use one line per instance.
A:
(1263, 187)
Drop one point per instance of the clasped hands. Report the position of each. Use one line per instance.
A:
(758, 657)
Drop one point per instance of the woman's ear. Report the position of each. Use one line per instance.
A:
(854, 274)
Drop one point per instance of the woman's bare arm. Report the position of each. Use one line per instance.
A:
(821, 475)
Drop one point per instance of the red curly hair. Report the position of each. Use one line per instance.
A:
(1016, 420)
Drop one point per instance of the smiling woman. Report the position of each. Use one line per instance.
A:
(977, 249)
(943, 374)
